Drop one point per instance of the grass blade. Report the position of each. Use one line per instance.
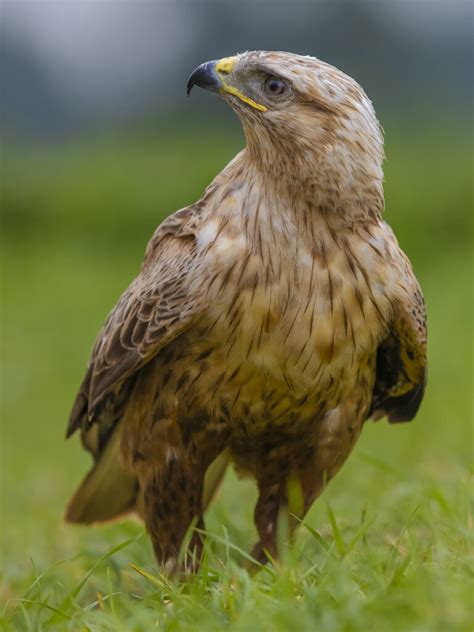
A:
(72, 594)
(340, 546)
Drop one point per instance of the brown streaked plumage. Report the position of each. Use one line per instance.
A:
(268, 322)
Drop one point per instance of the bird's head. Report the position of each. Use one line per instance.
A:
(307, 125)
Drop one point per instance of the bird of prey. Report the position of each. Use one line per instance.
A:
(269, 320)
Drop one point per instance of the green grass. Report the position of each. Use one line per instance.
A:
(387, 547)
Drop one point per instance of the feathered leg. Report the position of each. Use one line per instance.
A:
(267, 509)
(172, 501)
(176, 486)
(295, 491)
(292, 496)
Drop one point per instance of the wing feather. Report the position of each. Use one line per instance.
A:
(401, 358)
(157, 306)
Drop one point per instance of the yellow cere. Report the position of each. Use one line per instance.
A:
(225, 66)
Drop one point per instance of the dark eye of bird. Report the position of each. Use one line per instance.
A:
(275, 86)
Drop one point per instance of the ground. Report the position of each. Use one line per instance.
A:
(388, 546)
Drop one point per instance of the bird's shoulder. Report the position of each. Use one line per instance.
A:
(158, 305)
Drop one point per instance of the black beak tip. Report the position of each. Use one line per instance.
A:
(205, 77)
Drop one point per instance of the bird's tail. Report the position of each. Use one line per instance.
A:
(107, 491)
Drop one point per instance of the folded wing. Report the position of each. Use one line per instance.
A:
(401, 357)
(158, 306)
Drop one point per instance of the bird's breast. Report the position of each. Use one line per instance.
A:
(291, 324)
(296, 314)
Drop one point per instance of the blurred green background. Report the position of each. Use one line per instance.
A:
(79, 200)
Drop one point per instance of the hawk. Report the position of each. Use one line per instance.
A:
(268, 322)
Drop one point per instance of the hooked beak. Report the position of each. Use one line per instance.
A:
(205, 76)
(213, 76)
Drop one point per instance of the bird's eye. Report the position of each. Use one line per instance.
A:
(275, 86)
